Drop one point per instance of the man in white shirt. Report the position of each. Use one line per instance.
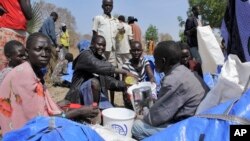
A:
(123, 40)
(107, 26)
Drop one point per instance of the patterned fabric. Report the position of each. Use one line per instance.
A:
(140, 72)
(59, 71)
(5, 36)
(3, 73)
(22, 98)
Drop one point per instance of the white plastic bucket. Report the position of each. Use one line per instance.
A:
(119, 120)
(139, 85)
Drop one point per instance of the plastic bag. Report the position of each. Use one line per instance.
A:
(231, 83)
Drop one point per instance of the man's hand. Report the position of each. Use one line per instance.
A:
(121, 31)
(88, 111)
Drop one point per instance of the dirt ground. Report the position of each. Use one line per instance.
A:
(58, 93)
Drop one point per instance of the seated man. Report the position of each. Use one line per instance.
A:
(179, 96)
(92, 75)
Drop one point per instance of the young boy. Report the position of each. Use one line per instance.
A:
(15, 53)
(188, 61)
(137, 65)
(61, 69)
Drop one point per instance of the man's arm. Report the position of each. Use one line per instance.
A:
(88, 62)
(26, 9)
(150, 73)
(166, 106)
(94, 36)
(95, 27)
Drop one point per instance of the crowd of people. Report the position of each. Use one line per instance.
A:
(115, 53)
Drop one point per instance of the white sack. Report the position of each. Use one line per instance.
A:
(231, 82)
(209, 50)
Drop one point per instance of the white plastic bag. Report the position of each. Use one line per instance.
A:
(231, 83)
(209, 50)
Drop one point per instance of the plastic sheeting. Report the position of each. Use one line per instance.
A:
(38, 129)
(207, 129)
(232, 81)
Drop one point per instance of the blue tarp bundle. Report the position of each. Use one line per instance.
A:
(213, 124)
(38, 129)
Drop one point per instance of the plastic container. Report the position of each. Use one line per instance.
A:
(119, 120)
(140, 85)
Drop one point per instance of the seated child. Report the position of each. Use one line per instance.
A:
(194, 66)
(15, 53)
(188, 61)
(61, 69)
(138, 66)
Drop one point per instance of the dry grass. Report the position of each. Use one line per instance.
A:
(58, 93)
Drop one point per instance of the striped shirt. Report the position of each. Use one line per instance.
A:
(140, 72)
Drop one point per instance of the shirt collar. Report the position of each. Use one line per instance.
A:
(106, 16)
(173, 67)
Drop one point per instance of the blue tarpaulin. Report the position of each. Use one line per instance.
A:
(213, 124)
(38, 129)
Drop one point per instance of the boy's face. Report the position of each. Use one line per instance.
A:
(136, 51)
(19, 56)
(107, 6)
(185, 56)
